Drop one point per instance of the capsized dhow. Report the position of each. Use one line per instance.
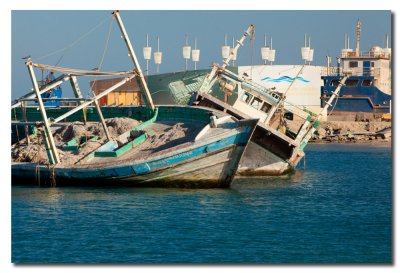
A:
(283, 130)
(205, 153)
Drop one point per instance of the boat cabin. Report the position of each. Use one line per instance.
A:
(126, 95)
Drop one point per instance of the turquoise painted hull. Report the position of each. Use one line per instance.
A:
(209, 162)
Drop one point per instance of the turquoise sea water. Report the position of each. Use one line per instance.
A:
(339, 210)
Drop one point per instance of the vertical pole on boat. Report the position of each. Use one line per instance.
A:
(75, 88)
(250, 30)
(147, 60)
(158, 51)
(141, 80)
(315, 123)
(186, 59)
(195, 48)
(328, 64)
(305, 46)
(358, 33)
(233, 46)
(265, 45)
(272, 54)
(26, 126)
(78, 94)
(309, 46)
(211, 77)
(348, 41)
(53, 155)
(103, 123)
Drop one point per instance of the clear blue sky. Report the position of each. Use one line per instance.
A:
(38, 33)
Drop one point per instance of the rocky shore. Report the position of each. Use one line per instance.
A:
(353, 132)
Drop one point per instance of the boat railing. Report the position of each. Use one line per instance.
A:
(302, 111)
(331, 71)
(251, 84)
(368, 54)
(64, 101)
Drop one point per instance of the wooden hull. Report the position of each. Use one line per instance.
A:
(267, 154)
(258, 161)
(260, 158)
(209, 163)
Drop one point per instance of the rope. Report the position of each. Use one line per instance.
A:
(280, 104)
(52, 176)
(290, 85)
(73, 43)
(90, 91)
(37, 168)
(37, 174)
(104, 52)
(80, 72)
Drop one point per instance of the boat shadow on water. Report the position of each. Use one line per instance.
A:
(293, 178)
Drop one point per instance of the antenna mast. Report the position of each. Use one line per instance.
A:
(358, 37)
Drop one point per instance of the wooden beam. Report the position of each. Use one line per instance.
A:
(83, 105)
(141, 81)
(53, 155)
(59, 80)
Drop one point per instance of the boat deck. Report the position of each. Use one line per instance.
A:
(162, 137)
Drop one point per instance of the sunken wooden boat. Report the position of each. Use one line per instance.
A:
(206, 155)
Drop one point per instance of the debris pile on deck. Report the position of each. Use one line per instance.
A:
(165, 135)
(177, 131)
(36, 153)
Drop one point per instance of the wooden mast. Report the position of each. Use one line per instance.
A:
(52, 153)
(141, 81)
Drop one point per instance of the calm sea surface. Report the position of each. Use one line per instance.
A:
(339, 210)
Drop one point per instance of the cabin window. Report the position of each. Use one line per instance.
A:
(256, 103)
(353, 64)
(366, 83)
(335, 82)
(351, 82)
(265, 107)
(246, 97)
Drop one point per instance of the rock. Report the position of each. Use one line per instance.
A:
(360, 117)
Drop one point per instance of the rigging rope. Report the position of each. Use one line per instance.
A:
(72, 44)
(81, 72)
(91, 91)
(104, 53)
